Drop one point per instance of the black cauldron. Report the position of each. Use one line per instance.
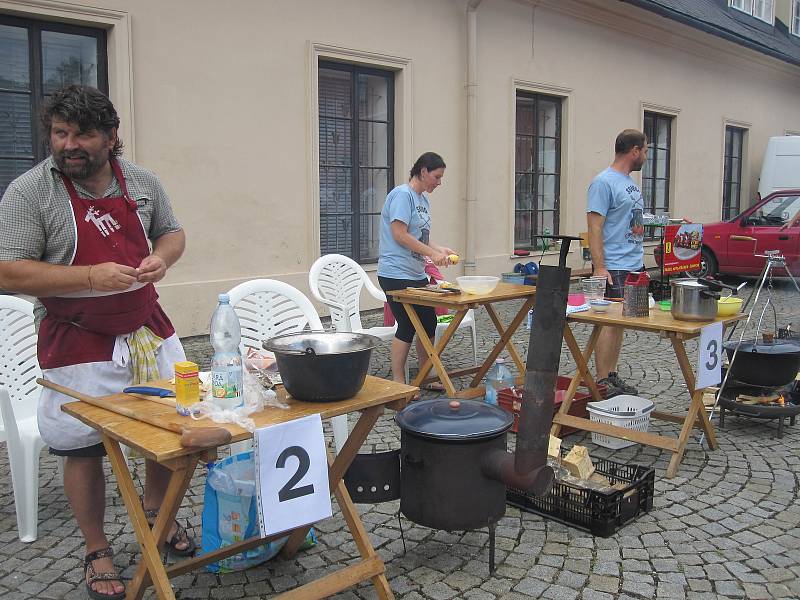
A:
(764, 364)
(442, 444)
(322, 366)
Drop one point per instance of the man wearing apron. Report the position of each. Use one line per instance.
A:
(75, 232)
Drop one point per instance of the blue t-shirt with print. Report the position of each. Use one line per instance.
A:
(396, 261)
(619, 200)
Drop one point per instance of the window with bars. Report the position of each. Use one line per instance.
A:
(537, 170)
(36, 58)
(656, 169)
(732, 172)
(356, 154)
(760, 9)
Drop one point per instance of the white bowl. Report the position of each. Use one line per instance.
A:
(477, 284)
(600, 305)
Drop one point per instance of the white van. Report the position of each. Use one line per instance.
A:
(780, 169)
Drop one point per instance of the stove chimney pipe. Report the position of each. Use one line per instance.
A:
(527, 468)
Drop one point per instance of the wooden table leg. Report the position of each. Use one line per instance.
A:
(581, 372)
(337, 469)
(150, 541)
(371, 566)
(504, 341)
(696, 410)
(434, 353)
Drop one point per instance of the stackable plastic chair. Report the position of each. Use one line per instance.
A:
(267, 308)
(337, 281)
(19, 395)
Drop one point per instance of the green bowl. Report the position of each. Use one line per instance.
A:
(665, 305)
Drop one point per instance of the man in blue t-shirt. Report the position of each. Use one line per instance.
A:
(616, 231)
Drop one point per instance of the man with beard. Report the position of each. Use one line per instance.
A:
(616, 231)
(76, 232)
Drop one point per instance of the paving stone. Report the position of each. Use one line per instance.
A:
(725, 527)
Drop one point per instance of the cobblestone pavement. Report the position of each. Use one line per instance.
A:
(728, 526)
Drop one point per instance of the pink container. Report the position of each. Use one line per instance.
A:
(576, 299)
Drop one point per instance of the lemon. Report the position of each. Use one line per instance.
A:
(453, 258)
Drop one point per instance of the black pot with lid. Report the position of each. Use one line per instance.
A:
(442, 443)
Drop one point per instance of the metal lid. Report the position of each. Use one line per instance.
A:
(454, 419)
(688, 283)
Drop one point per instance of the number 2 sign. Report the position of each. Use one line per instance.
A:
(709, 364)
(291, 475)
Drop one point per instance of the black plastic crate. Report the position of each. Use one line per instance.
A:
(600, 513)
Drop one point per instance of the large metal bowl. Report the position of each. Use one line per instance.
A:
(322, 366)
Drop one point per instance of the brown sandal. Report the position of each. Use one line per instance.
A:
(94, 576)
(181, 536)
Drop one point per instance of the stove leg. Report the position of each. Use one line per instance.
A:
(780, 428)
(791, 420)
(722, 417)
(491, 548)
(402, 536)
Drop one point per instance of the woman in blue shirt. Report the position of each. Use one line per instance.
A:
(404, 244)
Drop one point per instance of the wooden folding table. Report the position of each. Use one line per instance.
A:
(460, 303)
(164, 447)
(659, 322)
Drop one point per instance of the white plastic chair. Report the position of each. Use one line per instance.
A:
(19, 394)
(337, 280)
(267, 308)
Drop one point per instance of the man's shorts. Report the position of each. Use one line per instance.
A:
(618, 277)
(87, 452)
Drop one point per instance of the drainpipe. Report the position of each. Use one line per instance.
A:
(472, 130)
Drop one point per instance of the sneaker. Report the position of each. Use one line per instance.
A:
(616, 386)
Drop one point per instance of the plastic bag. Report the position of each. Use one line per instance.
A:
(230, 514)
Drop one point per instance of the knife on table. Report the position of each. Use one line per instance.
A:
(149, 391)
(160, 395)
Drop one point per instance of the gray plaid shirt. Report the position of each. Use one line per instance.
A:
(36, 221)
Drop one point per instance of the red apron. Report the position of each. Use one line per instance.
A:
(83, 329)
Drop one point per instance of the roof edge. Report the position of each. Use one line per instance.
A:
(712, 29)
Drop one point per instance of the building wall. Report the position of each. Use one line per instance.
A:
(222, 101)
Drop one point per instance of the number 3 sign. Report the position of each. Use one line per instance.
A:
(709, 365)
(291, 475)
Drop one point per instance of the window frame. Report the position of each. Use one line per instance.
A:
(749, 8)
(356, 69)
(794, 27)
(652, 154)
(536, 97)
(35, 27)
(727, 206)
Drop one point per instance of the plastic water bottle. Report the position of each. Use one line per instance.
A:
(226, 364)
(529, 322)
(497, 378)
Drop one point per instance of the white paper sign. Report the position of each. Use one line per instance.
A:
(291, 475)
(709, 363)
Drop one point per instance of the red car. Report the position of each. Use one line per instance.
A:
(730, 247)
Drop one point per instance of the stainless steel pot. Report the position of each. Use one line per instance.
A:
(693, 300)
(322, 366)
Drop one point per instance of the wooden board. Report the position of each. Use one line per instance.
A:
(162, 445)
(657, 320)
(503, 291)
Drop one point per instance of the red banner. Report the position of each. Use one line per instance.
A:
(682, 244)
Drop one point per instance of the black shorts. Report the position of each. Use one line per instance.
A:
(87, 452)
(426, 314)
(618, 277)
